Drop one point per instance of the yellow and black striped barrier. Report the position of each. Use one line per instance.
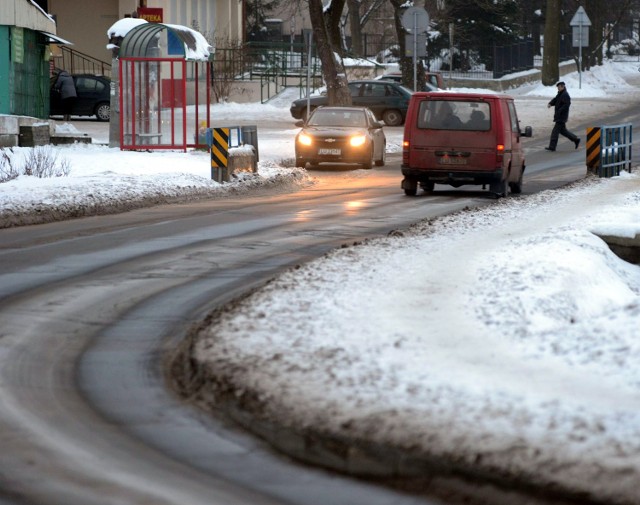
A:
(593, 148)
(219, 149)
(224, 158)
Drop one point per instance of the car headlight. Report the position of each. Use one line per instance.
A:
(305, 139)
(357, 140)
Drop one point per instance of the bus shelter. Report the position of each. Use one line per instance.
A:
(165, 97)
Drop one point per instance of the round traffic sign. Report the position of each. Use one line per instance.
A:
(415, 17)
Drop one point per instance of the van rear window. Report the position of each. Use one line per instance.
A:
(454, 115)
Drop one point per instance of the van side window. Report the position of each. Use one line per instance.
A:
(515, 127)
(454, 115)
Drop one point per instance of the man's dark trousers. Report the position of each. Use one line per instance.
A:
(561, 129)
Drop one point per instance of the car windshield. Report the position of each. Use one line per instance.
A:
(454, 115)
(338, 118)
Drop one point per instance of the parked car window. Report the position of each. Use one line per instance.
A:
(88, 84)
(354, 89)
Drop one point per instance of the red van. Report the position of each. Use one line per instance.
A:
(463, 138)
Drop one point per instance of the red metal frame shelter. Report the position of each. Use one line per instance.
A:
(165, 96)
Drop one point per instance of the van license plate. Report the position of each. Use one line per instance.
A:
(333, 152)
(456, 160)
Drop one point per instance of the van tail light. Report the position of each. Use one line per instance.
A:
(499, 154)
(405, 152)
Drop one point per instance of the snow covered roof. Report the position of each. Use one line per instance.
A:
(133, 43)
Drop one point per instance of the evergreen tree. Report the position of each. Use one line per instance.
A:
(257, 11)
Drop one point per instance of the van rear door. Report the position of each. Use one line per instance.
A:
(454, 133)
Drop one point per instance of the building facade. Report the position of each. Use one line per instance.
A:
(85, 22)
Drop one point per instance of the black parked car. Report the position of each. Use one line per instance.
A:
(94, 97)
(350, 135)
(388, 100)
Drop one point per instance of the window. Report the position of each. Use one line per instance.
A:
(454, 115)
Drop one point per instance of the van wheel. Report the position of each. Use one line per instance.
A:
(392, 117)
(499, 188)
(516, 187)
(428, 187)
(410, 187)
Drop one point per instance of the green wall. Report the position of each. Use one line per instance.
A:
(4, 70)
(24, 72)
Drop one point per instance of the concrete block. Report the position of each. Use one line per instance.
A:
(34, 135)
(9, 125)
(8, 140)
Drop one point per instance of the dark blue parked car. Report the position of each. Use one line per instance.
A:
(94, 97)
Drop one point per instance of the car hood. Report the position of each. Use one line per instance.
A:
(333, 131)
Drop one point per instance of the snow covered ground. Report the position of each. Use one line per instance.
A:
(502, 339)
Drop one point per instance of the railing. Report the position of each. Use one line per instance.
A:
(275, 65)
(76, 62)
(615, 149)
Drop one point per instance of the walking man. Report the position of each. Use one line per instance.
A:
(561, 102)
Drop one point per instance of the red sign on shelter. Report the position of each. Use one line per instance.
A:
(150, 14)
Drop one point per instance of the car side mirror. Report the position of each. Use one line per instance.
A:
(299, 124)
(378, 124)
(528, 132)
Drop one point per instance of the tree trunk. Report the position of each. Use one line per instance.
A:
(551, 53)
(406, 63)
(332, 21)
(332, 70)
(354, 26)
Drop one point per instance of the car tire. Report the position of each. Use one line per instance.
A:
(392, 117)
(368, 165)
(103, 111)
(383, 157)
(300, 163)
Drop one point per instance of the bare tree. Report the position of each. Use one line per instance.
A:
(360, 13)
(333, 71)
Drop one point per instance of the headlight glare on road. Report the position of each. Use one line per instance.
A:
(357, 140)
(305, 139)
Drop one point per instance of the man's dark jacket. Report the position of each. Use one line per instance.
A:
(562, 102)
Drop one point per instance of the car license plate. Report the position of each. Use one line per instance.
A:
(334, 152)
(453, 160)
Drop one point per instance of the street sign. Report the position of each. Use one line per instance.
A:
(420, 45)
(580, 24)
(415, 18)
(580, 36)
(580, 18)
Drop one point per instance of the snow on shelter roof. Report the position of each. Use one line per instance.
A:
(141, 39)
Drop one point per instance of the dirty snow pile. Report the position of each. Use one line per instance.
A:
(500, 340)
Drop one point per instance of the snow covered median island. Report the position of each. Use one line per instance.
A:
(501, 342)
(104, 180)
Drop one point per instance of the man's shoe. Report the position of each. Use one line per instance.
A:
(549, 149)
(577, 142)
